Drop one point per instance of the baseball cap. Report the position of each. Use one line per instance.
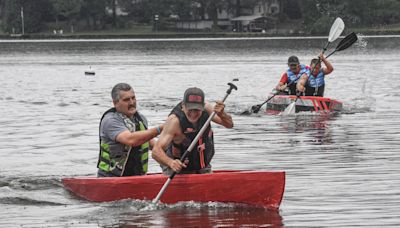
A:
(293, 60)
(194, 98)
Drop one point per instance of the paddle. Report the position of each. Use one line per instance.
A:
(336, 29)
(291, 109)
(345, 43)
(231, 86)
(256, 108)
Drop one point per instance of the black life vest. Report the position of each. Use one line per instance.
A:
(202, 153)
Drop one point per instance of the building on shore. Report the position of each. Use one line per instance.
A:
(259, 17)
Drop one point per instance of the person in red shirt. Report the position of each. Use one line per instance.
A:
(287, 84)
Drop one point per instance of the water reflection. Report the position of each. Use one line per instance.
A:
(50, 129)
(314, 125)
(205, 216)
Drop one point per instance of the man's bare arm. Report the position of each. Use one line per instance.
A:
(221, 116)
(171, 128)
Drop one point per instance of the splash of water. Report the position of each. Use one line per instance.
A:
(362, 41)
(145, 205)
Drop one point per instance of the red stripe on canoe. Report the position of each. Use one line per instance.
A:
(305, 103)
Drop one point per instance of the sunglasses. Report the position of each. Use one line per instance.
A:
(293, 65)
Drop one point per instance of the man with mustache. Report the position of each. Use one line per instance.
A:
(182, 126)
(125, 139)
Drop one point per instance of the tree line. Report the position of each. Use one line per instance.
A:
(89, 15)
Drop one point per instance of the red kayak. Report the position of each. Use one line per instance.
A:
(257, 188)
(303, 104)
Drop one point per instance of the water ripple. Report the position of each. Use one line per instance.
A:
(341, 168)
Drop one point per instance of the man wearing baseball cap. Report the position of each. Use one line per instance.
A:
(292, 75)
(180, 129)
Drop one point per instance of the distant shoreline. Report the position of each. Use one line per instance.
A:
(88, 38)
(183, 35)
(161, 35)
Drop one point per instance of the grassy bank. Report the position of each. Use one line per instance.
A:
(154, 35)
(143, 32)
(381, 30)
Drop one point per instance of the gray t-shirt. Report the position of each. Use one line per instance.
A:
(111, 126)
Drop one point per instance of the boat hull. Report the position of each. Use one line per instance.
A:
(257, 188)
(303, 104)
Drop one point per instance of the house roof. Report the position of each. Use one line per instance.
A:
(246, 18)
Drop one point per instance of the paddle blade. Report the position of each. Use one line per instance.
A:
(256, 108)
(347, 42)
(291, 109)
(247, 112)
(336, 29)
(253, 109)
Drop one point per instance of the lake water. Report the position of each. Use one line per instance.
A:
(342, 170)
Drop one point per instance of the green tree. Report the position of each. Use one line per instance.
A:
(67, 9)
(143, 11)
(318, 15)
(182, 8)
(94, 12)
(291, 8)
(373, 12)
(34, 13)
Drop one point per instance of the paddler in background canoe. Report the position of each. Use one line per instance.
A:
(181, 127)
(125, 139)
(287, 84)
(313, 84)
